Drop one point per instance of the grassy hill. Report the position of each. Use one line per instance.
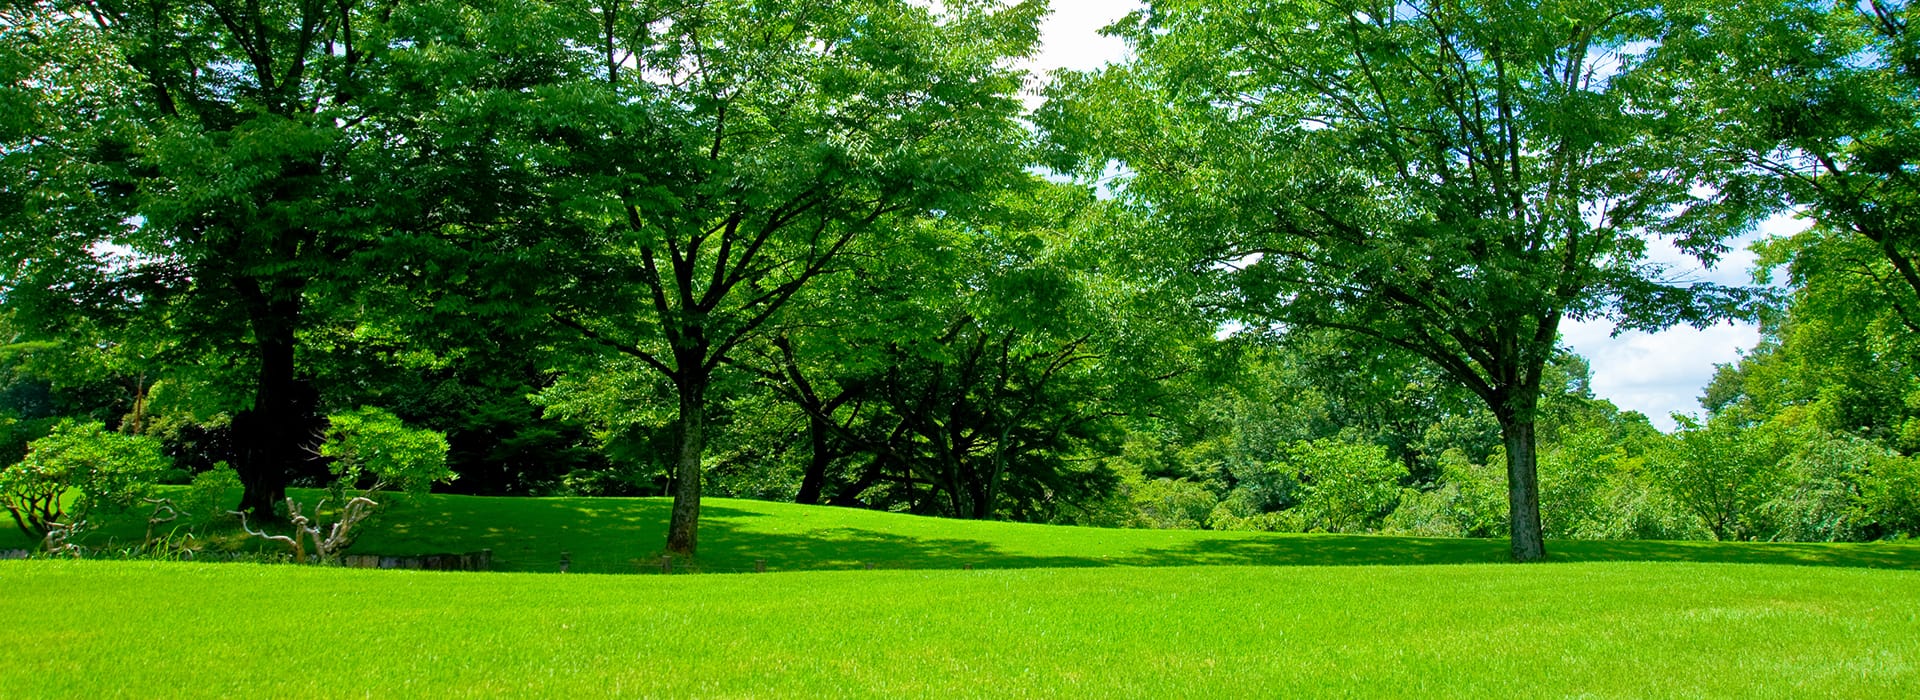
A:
(616, 535)
(626, 535)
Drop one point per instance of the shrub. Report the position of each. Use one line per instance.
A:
(107, 470)
(1471, 501)
(211, 496)
(371, 445)
(1345, 487)
(1169, 504)
(1724, 472)
(371, 450)
(1890, 496)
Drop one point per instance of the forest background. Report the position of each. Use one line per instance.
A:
(1290, 266)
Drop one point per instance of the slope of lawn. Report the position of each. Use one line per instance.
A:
(150, 629)
(626, 535)
(617, 535)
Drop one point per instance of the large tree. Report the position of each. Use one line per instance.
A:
(1454, 178)
(976, 369)
(225, 176)
(725, 154)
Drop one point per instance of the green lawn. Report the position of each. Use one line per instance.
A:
(140, 629)
(1049, 611)
(623, 535)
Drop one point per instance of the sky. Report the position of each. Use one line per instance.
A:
(1657, 374)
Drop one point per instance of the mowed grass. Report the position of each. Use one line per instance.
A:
(1047, 611)
(148, 629)
(627, 535)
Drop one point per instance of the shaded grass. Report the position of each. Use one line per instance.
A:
(140, 629)
(623, 535)
(627, 535)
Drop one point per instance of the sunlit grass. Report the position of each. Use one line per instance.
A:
(136, 629)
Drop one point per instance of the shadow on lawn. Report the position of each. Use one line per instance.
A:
(626, 536)
(1873, 555)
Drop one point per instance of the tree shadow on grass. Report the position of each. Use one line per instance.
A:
(1362, 550)
(1875, 555)
(627, 535)
(852, 548)
(727, 548)
(1326, 550)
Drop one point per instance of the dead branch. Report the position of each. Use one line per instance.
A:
(154, 519)
(299, 552)
(59, 536)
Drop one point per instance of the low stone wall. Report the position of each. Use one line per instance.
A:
(471, 561)
(14, 553)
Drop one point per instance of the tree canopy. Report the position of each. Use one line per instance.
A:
(1290, 265)
(1454, 179)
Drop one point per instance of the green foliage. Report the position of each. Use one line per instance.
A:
(16, 434)
(1890, 496)
(1469, 500)
(1168, 504)
(1722, 474)
(1809, 105)
(1345, 487)
(1452, 179)
(105, 471)
(210, 498)
(372, 444)
(1599, 474)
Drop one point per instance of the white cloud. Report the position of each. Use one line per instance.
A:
(1664, 373)
(1657, 374)
(1070, 36)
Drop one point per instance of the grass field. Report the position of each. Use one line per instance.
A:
(1048, 611)
(142, 629)
(626, 535)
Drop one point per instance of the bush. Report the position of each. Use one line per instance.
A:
(370, 450)
(107, 470)
(1471, 501)
(1345, 487)
(1725, 472)
(1169, 504)
(1890, 497)
(211, 496)
(371, 445)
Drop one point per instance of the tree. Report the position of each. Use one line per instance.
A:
(107, 469)
(1811, 103)
(1451, 177)
(726, 154)
(225, 178)
(976, 367)
(1725, 471)
(368, 450)
(1837, 351)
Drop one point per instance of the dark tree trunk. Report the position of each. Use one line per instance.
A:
(268, 438)
(1523, 490)
(822, 456)
(683, 529)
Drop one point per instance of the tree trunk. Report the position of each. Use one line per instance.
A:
(683, 529)
(822, 456)
(1523, 490)
(267, 438)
